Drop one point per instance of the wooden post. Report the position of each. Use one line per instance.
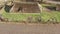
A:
(40, 7)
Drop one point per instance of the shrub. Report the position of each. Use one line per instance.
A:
(38, 19)
(52, 20)
(29, 19)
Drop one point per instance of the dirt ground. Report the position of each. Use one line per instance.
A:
(29, 28)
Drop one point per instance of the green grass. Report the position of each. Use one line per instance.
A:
(19, 16)
(52, 5)
(48, 15)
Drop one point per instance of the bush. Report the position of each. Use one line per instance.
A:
(52, 20)
(38, 18)
(30, 19)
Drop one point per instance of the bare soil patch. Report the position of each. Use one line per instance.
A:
(29, 29)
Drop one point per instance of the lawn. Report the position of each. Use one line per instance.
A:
(20, 16)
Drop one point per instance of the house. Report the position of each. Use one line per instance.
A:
(25, 6)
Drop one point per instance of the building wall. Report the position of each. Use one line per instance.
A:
(25, 8)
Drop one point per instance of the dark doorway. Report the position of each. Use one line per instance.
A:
(20, 9)
(7, 8)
